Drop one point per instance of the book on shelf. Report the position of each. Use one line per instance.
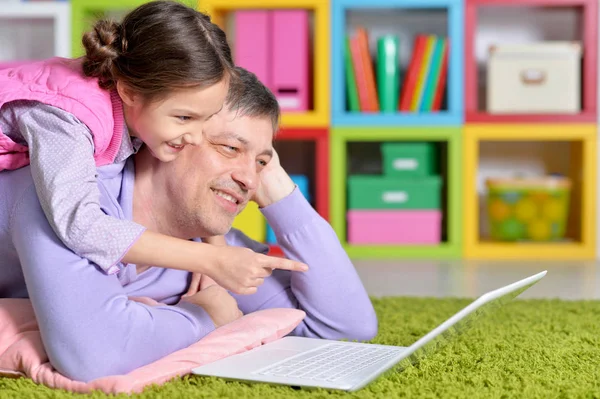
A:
(422, 87)
(388, 72)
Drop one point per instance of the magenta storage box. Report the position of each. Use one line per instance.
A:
(394, 227)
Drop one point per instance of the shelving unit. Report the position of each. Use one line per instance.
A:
(463, 127)
(318, 117)
(450, 138)
(453, 10)
(58, 15)
(581, 236)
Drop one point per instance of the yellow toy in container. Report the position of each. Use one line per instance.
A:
(533, 209)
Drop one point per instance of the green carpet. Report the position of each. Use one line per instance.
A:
(530, 348)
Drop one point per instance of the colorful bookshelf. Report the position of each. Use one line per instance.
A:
(581, 142)
(450, 138)
(318, 116)
(463, 125)
(588, 10)
(452, 10)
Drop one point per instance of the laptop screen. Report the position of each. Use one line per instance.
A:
(464, 319)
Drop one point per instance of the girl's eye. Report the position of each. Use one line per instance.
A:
(184, 118)
(262, 163)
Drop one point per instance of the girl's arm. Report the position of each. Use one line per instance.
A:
(64, 173)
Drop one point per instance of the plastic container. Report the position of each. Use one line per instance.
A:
(528, 209)
(409, 159)
(380, 227)
(381, 192)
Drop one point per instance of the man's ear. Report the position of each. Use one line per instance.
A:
(128, 96)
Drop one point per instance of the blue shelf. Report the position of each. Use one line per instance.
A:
(395, 3)
(443, 118)
(452, 116)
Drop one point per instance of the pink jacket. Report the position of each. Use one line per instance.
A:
(60, 82)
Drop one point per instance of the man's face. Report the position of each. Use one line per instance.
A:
(211, 183)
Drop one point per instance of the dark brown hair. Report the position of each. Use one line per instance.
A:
(158, 47)
(248, 96)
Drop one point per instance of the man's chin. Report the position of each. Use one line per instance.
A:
(219, 230)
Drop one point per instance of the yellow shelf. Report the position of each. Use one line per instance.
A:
(319, 117)
(529, 251)
(476, 247)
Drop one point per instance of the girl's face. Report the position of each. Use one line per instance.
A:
(167, 126)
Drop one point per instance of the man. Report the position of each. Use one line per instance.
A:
(89, 324)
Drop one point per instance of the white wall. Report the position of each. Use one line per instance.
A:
(26, 39)
(34, 30)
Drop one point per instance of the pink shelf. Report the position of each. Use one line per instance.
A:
(590, 54)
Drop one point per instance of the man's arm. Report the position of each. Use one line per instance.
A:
(330, 292)
(89, 327)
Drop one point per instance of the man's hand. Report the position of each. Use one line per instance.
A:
(274, 185)
(217, 302)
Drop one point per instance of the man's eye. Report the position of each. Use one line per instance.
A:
(230, 148)
(262, 162)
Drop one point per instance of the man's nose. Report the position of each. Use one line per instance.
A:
(192, 138)
(245, 175)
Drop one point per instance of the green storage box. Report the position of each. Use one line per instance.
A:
(409, 159)
(383, 192)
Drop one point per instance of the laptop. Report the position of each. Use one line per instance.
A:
(349, 366)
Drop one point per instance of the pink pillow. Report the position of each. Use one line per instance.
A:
(22, 352)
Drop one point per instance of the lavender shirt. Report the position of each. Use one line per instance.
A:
(91, 329)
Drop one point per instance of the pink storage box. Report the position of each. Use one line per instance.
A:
(275, 46)
(252, 50)
(289, 80)
(394, 227)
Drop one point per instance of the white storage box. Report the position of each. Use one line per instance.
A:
(534, 78)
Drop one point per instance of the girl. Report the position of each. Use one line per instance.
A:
(153, 79)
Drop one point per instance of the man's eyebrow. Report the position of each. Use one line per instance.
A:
(244, 141)
(234, 136)
(267, 152)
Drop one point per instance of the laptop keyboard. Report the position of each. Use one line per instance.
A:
(330, 362)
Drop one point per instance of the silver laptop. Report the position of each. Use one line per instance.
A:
(320, 363)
